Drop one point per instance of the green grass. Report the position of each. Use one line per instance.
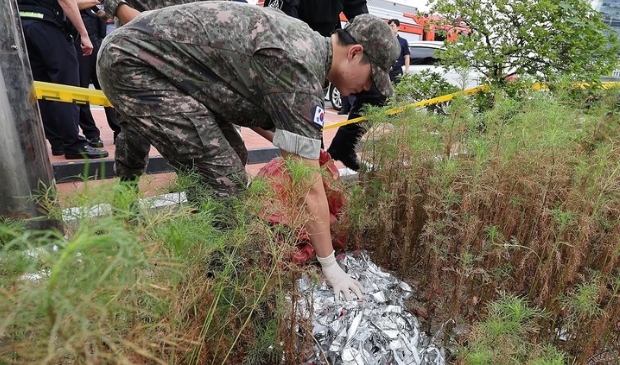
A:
(504, 336)
(140, 286)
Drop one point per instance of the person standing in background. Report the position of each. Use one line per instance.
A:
(346, 105)
(53, 58)
(403, 60)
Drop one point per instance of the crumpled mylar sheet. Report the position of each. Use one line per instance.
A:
(374, 331)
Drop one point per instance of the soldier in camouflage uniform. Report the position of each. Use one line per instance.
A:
(131, 159)
(179, 75)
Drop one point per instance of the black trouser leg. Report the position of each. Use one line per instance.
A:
(395, 76)
(53, 59)
(110, 115)
(343, 145)
(345, 103)
(47, 116)
(87, 68)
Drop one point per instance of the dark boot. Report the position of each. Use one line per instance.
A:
(343, 145)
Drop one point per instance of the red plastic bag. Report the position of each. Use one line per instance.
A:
(279, 180)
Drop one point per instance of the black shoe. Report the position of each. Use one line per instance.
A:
(343, 111)
(95, 142)
(57, 152)
(86, 153)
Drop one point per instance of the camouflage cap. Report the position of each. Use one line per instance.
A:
(380, 45)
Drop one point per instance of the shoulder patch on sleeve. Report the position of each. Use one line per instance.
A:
(318, 116)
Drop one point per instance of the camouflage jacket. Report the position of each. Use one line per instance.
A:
(140, 5)
(249, 65)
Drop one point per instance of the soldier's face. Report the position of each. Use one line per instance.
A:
(355, 75)
(361, 79)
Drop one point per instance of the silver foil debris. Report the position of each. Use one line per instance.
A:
(376, 330)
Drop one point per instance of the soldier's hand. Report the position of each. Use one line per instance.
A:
(339, 280)
(87, 46)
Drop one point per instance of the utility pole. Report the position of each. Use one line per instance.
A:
(25, 167)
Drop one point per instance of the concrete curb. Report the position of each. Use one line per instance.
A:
(104, 168)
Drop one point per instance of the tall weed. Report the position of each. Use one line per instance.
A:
(522, 198)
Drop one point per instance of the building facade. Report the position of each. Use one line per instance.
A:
(610, 10)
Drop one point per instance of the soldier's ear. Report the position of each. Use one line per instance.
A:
(356, 52)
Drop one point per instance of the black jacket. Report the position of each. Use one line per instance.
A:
(50, 9)
(322, 16)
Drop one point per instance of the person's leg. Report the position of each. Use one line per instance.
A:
(233, 137)
(395, 76)
(208, 152)
(131, 153)
(53, 49)
(49, 124)
(110, 115)
(39, 73)
(343, 145)
(182, 129)
(86, 120)
(189, 141)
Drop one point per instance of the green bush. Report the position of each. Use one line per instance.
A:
(503, 337)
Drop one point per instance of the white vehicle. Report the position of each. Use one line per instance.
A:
(423, 56)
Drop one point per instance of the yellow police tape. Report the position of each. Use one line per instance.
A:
(437, 100)
(448, 97)
(79, 95)
(70, 94)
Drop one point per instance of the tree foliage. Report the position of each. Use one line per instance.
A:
(539, 38)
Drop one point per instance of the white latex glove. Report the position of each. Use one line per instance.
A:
(338, 279)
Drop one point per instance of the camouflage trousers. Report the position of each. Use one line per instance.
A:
(186, 133)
